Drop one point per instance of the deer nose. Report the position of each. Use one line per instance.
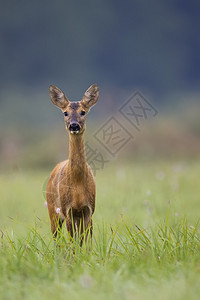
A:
(74, 127)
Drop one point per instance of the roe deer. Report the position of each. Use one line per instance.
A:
(71, 186)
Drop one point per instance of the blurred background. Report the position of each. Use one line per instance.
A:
(125, 46)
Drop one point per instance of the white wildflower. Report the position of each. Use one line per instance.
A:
(58, 210)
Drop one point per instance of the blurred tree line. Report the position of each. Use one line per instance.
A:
(152, 46)
(123, 44)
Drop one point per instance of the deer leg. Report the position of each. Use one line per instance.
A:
(69, 227)
(85, 230)
(80, 229)
(78, 223)
(89, 229)
(56, 225)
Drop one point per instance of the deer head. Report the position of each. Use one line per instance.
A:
(74, 112)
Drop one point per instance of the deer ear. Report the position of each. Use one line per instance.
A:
(58, 97)
(91, 96)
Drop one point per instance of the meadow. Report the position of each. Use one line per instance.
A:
(146, 242)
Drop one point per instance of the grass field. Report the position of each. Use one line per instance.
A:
(146, 241)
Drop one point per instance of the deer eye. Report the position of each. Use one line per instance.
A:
(66, 113)
(82, 113)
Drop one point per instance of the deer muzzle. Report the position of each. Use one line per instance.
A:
(74, 128)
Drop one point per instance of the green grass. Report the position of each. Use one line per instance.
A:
(146, 242)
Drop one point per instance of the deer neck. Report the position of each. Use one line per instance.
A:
(77, 159)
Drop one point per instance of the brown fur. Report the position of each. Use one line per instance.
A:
(71, 186)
